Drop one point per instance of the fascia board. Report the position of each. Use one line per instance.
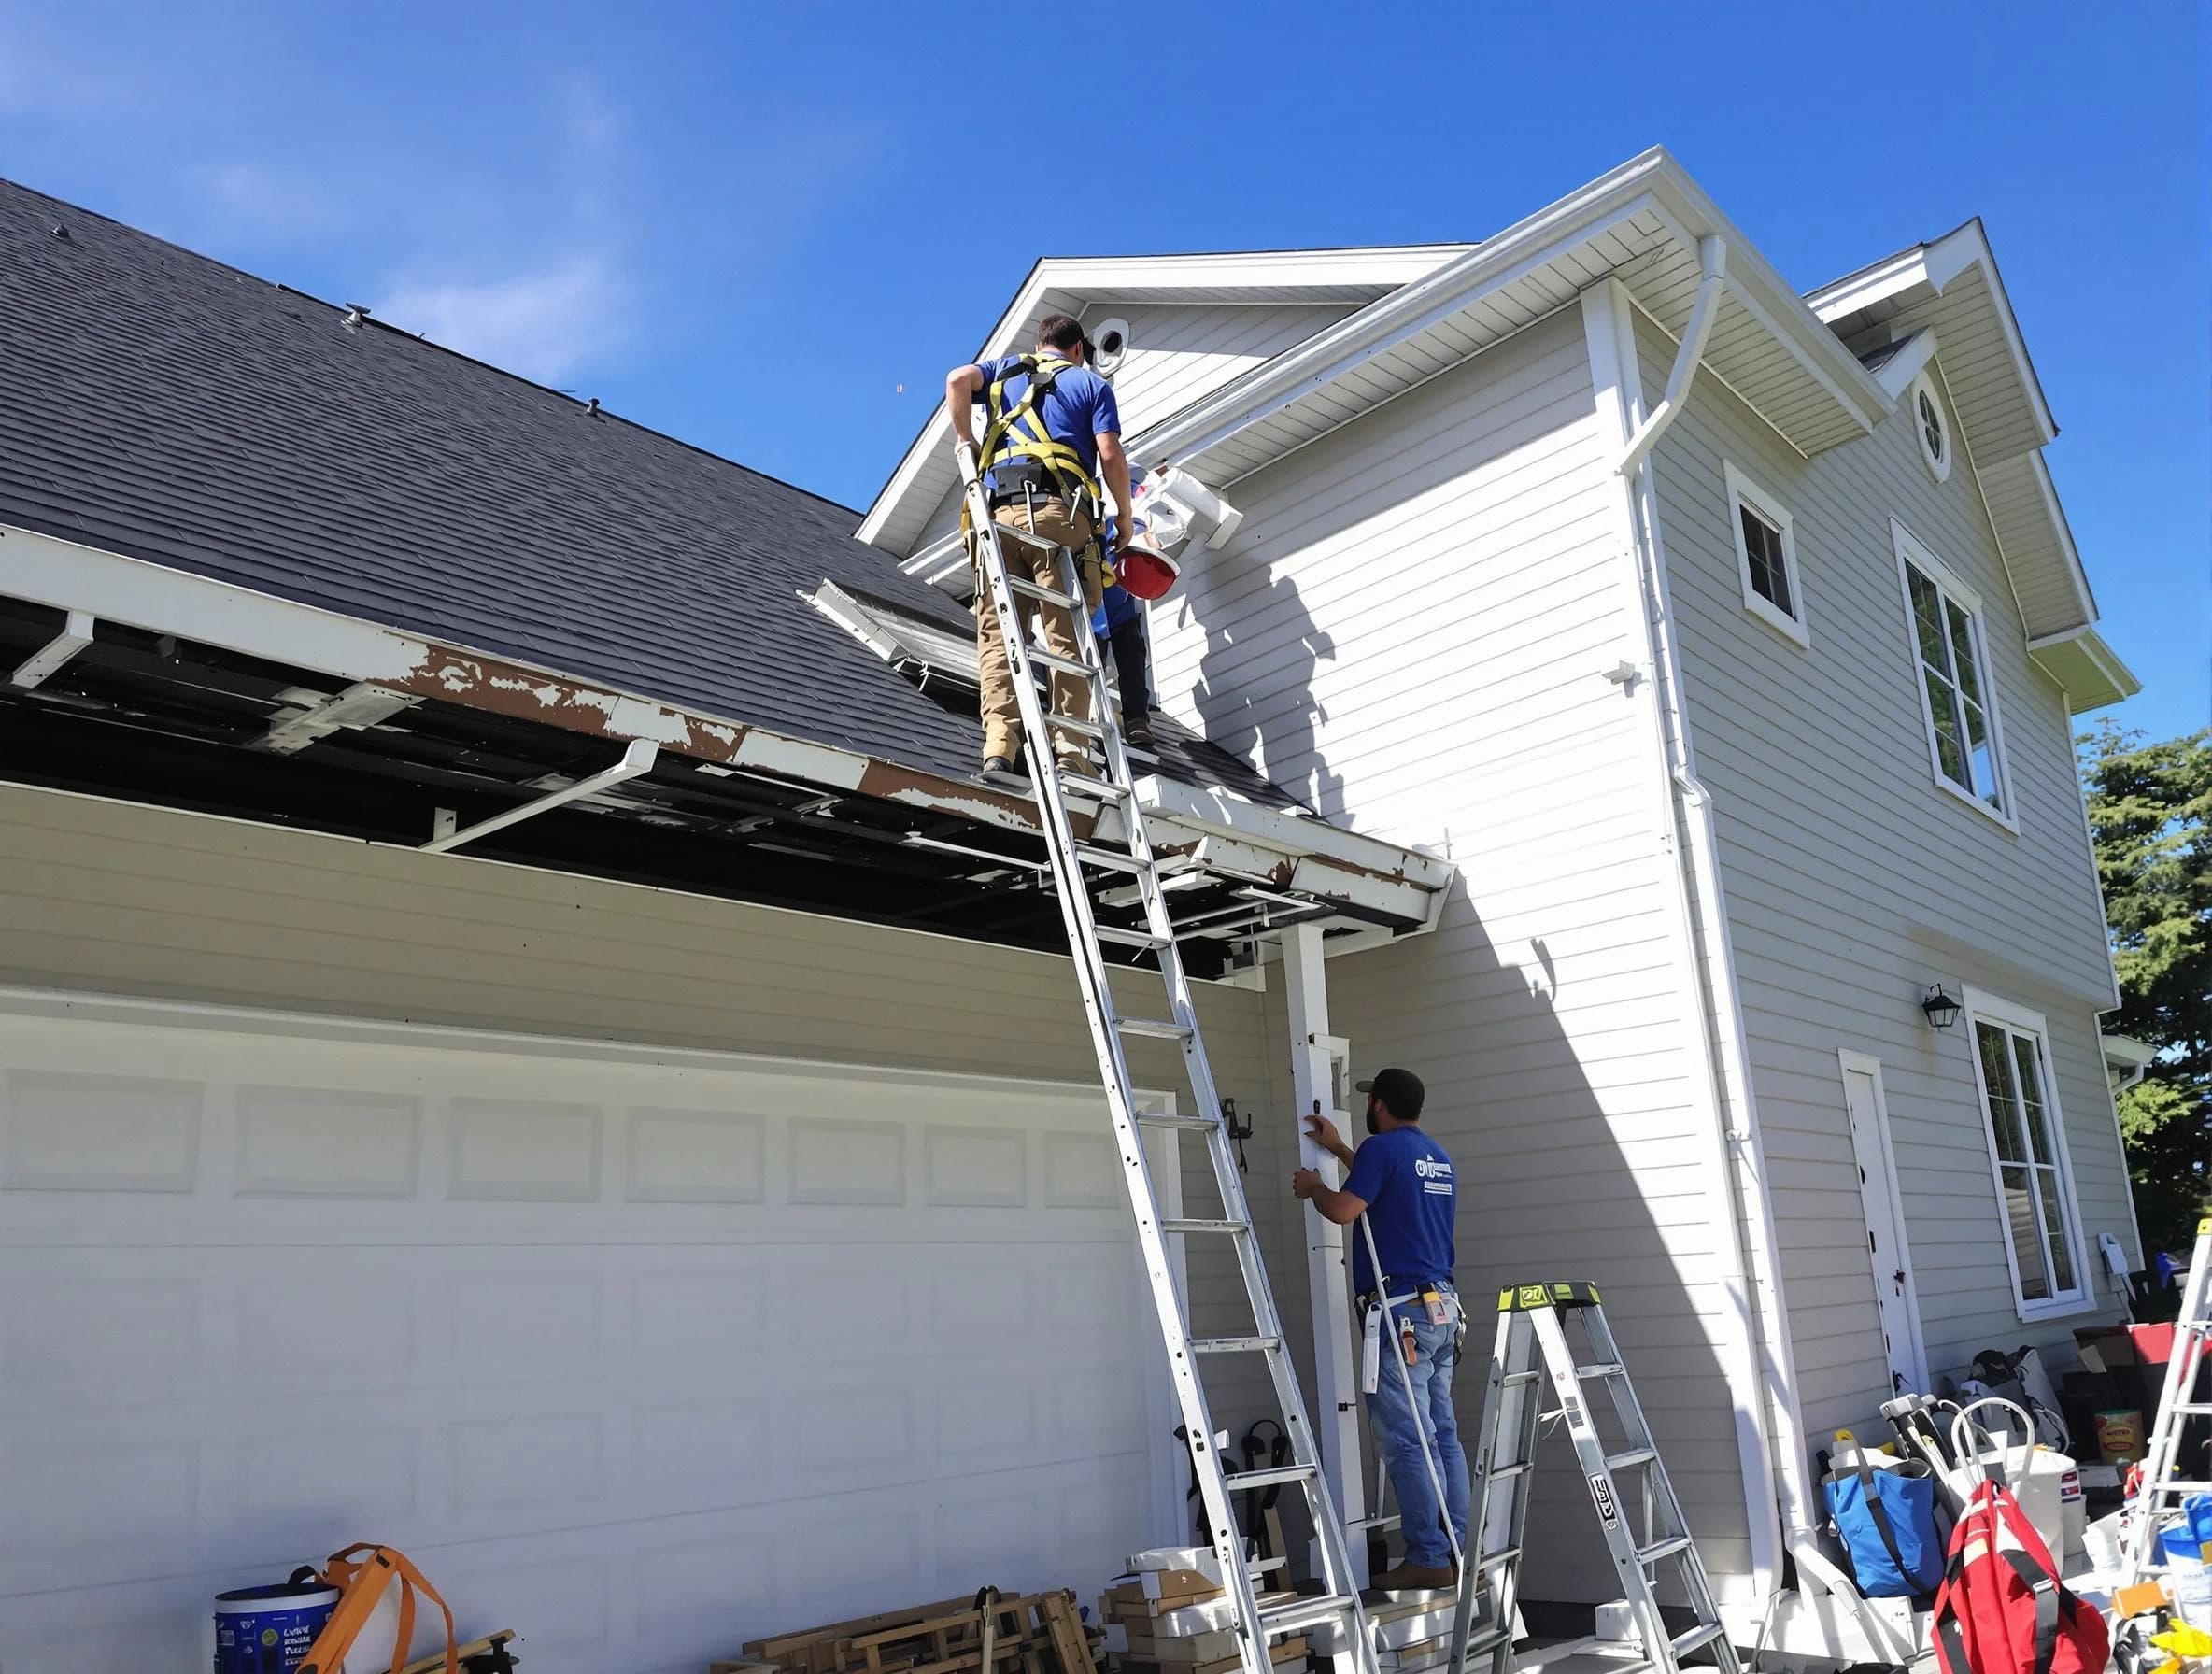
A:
(1897, 377)
(114, 588)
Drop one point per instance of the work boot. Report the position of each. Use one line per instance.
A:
(1137, 730)
(1416, 1578)
(1004, 768)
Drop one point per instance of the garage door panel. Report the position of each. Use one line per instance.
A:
(643, 1362)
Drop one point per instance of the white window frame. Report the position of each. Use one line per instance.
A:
(1938, 465)
(1980, 1006)
(1742, 492)
(1912, 554)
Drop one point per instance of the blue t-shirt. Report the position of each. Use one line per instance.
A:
(1406, 1183)
(1079, 408)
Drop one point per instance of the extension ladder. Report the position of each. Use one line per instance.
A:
(1073, 862)
(1532, 1349)
(2192, 1338)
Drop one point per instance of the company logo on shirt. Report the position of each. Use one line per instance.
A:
(1435, 1173)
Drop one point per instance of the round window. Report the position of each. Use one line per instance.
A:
(1934, 426)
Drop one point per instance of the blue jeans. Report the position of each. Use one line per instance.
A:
(1398, 1442)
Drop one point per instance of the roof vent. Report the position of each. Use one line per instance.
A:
(591, 407)
(357, 313)
(60, 231)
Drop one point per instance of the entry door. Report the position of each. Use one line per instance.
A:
(1890, 1259)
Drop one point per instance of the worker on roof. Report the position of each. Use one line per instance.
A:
(1402, 1180)
(1119, 625)
(1050, 460)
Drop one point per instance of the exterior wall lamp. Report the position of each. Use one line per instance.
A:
(1941, 1010)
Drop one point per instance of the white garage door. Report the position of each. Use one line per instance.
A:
(641, 1357)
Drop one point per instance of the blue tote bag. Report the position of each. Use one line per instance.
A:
(1886, 1520)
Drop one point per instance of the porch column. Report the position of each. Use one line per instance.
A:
(1328, 1282)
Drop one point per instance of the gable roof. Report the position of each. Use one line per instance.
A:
(1084, 286)
(159, 404)
(1644, 222)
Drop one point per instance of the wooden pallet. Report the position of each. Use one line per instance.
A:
(490, 1654)
(1039, 1634)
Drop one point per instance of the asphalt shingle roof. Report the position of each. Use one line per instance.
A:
(158, 403)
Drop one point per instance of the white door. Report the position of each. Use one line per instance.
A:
(1890, 1259)
(642, 1355)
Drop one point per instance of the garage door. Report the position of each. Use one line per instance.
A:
(641, 1356)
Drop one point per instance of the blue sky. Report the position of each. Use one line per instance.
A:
(769, 228)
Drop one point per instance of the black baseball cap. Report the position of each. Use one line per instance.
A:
(1401, 1089)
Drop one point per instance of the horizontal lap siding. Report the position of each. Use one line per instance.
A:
(1853, 881)
(1411, 628)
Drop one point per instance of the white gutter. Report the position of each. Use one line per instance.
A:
(1712, 277)
(1770, 1446)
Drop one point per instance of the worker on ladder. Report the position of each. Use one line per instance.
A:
(1054, 431)
(1402, 1180)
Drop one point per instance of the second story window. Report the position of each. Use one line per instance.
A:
(1957, 700)
(1765, 556)
(1933, 427)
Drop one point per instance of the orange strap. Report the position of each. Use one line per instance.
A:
(364, 1583)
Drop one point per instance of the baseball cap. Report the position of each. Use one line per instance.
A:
(1401, 1089)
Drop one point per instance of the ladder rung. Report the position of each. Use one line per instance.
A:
(1603, 1369)
(1632, 1458)
(1187, 1123)
(1112, 858)
(2177, 1487)
(1673, 1546)
(1121, 938)
(1233, 1345)
(1051, 595)
(1234, 1228)
(1497, 1560)
(1238, 1481)
(1361, 1524)
(1506, 1473)
(1702, 1635)
(1305, 1612)
(1514, 1379)
(1151, 1028)
(1068, 723)
(1059, 664)
(1097, 789)
(1022, 537)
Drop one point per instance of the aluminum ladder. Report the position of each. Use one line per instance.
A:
(2192, 1338)
(1074, 861)
(1532, 1349)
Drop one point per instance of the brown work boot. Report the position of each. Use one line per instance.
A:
(1416, 1578)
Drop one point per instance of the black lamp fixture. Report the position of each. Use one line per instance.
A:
(1941, 1009)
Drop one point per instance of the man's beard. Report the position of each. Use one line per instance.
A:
(1373, 1128)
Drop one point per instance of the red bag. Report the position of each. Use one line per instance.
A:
(2002, 1608)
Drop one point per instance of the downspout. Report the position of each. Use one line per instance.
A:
(1697, 912)
(1795, 1498)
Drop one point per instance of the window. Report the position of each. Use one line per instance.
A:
(1765, 556)
(1957, 700)
(2028, 1151)
(1929, 419)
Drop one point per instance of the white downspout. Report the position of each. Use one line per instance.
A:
(1610, 335)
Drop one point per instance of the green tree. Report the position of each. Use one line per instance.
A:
(2150, 817)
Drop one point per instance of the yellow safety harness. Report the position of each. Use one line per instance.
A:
(1018, 432)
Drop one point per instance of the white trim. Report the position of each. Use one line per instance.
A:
(1906, 363)
(1772, 1466)
(1743, 492)
(1912, 555)
(1981, 1005)
(1922, 387)
(1865, 1064)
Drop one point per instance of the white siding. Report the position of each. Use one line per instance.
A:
(1853, 881)
(1179, 353)
(111, 899)
(1413, 628)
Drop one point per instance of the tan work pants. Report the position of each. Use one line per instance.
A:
(1002, 714)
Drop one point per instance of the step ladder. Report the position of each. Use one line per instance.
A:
(2162, 1492)
(1108, 786)
(1532, 1351)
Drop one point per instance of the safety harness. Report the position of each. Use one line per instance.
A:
(1017, 437)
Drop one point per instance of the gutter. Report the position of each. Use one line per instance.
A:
(1776, 1495)
(1323, 859)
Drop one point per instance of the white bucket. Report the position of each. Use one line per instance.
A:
(2035, 1474)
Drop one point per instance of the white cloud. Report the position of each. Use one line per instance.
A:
(545, 325)
(261, 199)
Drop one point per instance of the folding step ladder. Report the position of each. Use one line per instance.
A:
(1074, 862)
(2162, 1493)
(1533, 1348)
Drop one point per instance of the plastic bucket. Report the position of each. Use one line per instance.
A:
(2187, 1573)
(269, 1630)
(2119, 1437)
